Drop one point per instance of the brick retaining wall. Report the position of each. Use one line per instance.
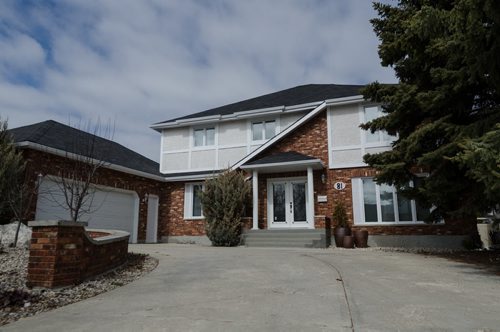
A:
(63, 254)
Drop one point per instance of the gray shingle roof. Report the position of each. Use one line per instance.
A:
(298, 95)
(62, 137)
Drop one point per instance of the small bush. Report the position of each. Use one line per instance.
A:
(224, 200)
(340, 215)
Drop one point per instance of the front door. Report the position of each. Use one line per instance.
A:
(287, 204)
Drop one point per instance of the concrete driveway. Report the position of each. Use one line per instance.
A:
(254, 289)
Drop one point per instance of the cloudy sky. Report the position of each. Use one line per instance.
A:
(135, 63)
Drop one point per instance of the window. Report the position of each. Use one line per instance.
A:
(193, 208)
(263, 130)
(204, 137)
(371, 113)
(381, 204)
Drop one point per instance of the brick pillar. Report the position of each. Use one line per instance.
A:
(55, 253)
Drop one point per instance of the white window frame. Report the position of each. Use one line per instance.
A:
(189, 198)
(381, 141)
(204, 145)
(263, 121)
(359, 206)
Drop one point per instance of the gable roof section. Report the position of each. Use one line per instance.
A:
(55, 135)
(295, 125)
(298, 95)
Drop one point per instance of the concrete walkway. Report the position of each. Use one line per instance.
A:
(254, 289)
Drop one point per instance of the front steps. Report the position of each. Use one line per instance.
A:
(286, 238)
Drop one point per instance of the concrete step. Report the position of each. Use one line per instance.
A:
(280, 245)
(307, 238)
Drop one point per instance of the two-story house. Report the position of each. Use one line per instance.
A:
(303, 150)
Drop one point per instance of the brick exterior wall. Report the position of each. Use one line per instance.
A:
(312, 139)
(49, 164)
(309, 139)
(64, 255)
(174, 224)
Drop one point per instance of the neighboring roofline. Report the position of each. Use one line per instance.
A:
(285, 163)
(236, 115)
(74, 156)
(298, 123)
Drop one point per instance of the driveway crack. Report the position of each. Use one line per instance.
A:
(341, 279)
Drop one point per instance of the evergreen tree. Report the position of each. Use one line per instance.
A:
(445, 109)
(224, 200)
(11, 168)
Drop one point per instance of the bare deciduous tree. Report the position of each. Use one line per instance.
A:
(85, 155)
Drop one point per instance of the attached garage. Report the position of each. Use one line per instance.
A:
(111, 208)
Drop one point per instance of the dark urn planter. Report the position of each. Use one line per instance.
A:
(360, 238)
(495, 238)
(348, 241)
(339, 233)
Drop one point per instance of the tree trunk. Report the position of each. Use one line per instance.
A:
(17, 233)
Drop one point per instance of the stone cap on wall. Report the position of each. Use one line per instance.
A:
(114, 235)
(64, 223)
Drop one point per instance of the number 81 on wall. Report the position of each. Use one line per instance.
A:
(339, 185)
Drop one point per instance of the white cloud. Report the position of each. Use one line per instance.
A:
(140, 62)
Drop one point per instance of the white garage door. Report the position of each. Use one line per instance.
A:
(110, 208)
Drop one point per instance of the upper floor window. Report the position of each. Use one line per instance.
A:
(381, 136)
(382, 204)
(263, 130)
(204, 137)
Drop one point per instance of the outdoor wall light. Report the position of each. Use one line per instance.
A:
(145, 198)
(39, 178)
(323, 178)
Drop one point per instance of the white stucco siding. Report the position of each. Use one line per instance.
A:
(229, 156)
(287, 119)
(347, 142)
(233, 132)
(175, 162)
(175, 139)
(346, 158)
(345, 126)
(203, 160)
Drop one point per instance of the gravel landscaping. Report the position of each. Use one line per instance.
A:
(17, 300)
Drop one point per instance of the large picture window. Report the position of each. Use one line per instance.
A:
(382, 204)
(192, 201)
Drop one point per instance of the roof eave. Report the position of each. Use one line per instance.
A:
(74, 156)
(236, 115)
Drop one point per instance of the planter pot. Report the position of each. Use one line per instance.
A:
(348, 241)
(484, 231)
(339, 233)
(361, 238)
(495, 238)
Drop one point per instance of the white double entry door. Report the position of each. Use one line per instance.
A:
(287, 203)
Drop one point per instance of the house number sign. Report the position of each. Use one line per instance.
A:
(339, 185)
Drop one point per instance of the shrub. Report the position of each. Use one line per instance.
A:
(340, 215)
(223, 202)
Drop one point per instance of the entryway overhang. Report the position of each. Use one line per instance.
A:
(282, 163)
